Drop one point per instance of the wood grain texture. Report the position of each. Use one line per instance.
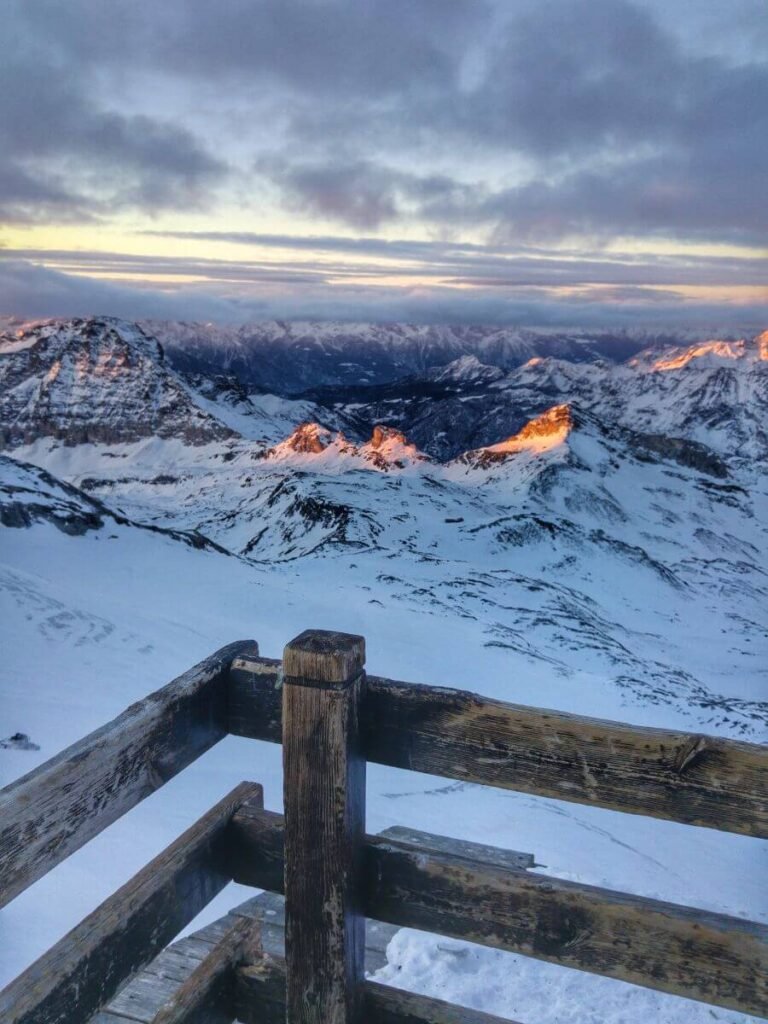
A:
(260, 999)
(268, 909)
(713, 958)
(687, 777)
(324, 798)
(207, 996)
(458, 847)
(142, 998)
(81, 972)
(146, 994)
(320, 657)
(55, 809)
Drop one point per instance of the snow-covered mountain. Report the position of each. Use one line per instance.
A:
(289, 357)
(580, 533)
(99, 380)
(715, 393)
(608, 505)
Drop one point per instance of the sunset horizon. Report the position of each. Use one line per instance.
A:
(578, 163)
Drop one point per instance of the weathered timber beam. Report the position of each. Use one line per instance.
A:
(82, 971)
(710, 957)
(698, 780)
(458, 847)
(54, 810)
(260, 999)
(324, 800)
(208, 994)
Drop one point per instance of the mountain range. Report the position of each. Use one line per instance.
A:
(586, 513)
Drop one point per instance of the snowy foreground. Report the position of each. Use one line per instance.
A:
(95, 623)
(604, 553)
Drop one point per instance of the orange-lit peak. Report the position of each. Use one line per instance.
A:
(390, 447)
(713, 350)
(545, 431)
(309, 438)
(762, 345)
(383, 436)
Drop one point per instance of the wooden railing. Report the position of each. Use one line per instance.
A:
(331, 719)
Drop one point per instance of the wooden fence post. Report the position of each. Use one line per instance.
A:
(324, 797)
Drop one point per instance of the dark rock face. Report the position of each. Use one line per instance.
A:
(99, 380)
(686, 453)
(30, 495)
(19, 741)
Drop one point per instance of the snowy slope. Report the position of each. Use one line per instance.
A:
(144, 607)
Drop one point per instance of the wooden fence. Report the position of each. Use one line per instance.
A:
(331, 718)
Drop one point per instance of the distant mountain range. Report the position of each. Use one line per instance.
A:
(598, 511)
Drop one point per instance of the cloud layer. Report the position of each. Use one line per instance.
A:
(574, 122)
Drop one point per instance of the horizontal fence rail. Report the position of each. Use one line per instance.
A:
(709, 957)
(54, 810)
(686, 777)
(260, 999)
(331, 718)
(82, 971)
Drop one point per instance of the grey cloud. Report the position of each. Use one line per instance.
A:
(52, 128)
(28, 290)
(697, 199)
(327, 47)
(361, 193)
(573, 75)
(27, 199)
(368, 112)
(629, 133)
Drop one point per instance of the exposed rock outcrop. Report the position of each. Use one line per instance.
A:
(98, 380)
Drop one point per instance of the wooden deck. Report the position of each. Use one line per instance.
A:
(144, 996)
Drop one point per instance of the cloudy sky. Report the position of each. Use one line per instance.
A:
(512, 161)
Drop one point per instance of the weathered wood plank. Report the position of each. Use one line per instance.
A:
(145, 994)
(260, 999)
(55, 809)
(82, 971)
(142, 998)
(710, 957)
(207, 996)
(147, 991)
(698, 780)
(107, 1017)
(494, 855)
(268, 909)
(324, 798)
